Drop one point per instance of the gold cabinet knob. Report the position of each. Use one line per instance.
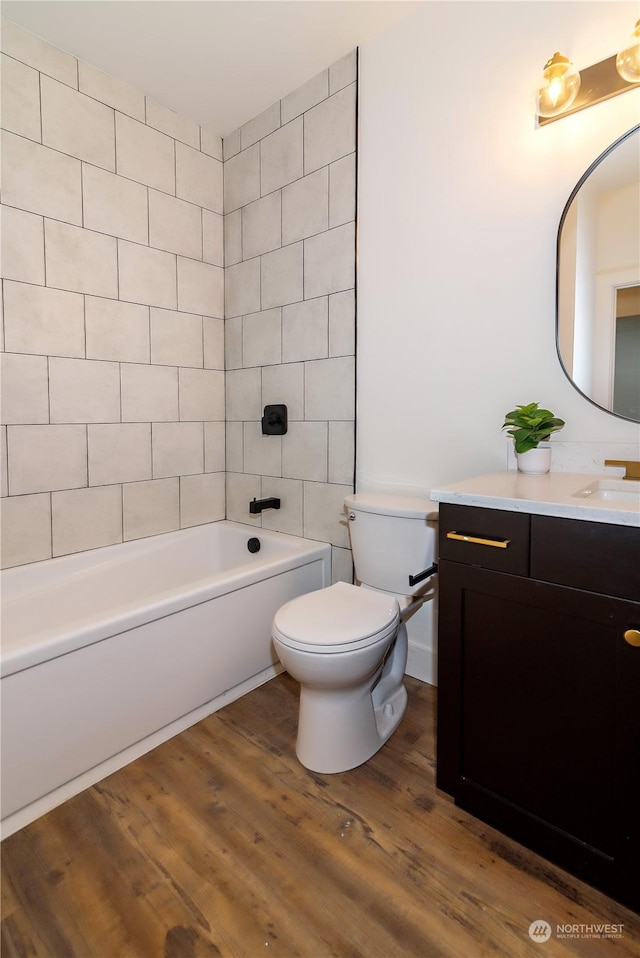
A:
(632, 636)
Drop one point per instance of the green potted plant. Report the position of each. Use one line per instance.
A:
(529, 425)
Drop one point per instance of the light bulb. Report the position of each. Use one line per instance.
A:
(558, 87)
(628, 60)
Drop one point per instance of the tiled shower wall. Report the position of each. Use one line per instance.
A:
(290, 207)
(112, 265)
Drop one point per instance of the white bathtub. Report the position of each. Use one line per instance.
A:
(107, 653)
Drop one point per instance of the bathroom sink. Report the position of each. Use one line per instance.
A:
(611, 490)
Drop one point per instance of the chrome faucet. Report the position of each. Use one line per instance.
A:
(257, 505)
(631, 467)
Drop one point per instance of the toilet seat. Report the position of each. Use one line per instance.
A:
(341, 618)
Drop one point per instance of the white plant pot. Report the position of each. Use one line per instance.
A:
(535, 462)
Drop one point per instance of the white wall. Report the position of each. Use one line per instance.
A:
(460, 196)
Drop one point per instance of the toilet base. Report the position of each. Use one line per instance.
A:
(343, 728)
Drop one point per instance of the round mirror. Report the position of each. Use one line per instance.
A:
(598, 281)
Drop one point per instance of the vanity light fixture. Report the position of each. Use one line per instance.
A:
(628, 60)
(563, 90)
(558, 86)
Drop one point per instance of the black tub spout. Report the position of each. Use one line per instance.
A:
(257, 505)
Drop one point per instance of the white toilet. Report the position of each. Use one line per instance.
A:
(347, 645)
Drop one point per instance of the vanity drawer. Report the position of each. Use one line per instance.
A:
(586, 555)
(488, 538)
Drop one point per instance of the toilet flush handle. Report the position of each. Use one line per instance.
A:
(421, 576)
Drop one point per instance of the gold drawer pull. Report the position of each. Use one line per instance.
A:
(632, 636)
(496, 543)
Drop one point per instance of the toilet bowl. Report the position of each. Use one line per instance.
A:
(342, 645)
(347, 645)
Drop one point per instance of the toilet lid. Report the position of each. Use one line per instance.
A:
(336, 617)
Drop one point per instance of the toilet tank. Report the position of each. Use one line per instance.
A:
(392, 537)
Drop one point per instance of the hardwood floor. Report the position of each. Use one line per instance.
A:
(218, 843)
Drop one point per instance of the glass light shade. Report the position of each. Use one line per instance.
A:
(628, 60)
(558, 86)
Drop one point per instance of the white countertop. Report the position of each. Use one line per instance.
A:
(553, 494)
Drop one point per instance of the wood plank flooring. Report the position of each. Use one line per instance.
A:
(218, 843)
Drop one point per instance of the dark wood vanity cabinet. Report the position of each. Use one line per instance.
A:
(538, 688)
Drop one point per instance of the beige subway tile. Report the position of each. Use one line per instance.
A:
(76, 124)
(111, 91)
(262, 226)
(323, 509)
(305, 330)
(119, 452)
(173, 124)
(37, 53)
(149, 393)
(117, 331)
(176, 338)
(44, 458)
(178, 449)
(330, 129)
(231, 145)
(341, 565)
(341, 451)
(114, 204)
(233, 343)
(199, 178)
(342, 323)
(22, 246)
(262, 338)
(84, 390)
(213, 238)
(81, 260)
(284, 384)
(305, 206)
(260, 126)
(202, 499)
(174, 225)
(288, 518)
(243, 394)
(200, 288)
(86, 519)
(240, 490)
(144, 154)
(281, 157)
(234, 447)
(201, 394)
(151, 508)
(147, 275)
(26, 529)
(210, 144)
(262, 454)
(242, 288)
(304, 97)
(45, 321)
(330, 389)
(24, 385)
(4, 478)
(343, 72)
(233, 238)
(281, 276)
(242, 178)
(213, 343)
(214, 446)
(329, 261)
(20, 98)
(305, 451)
(342, 190)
